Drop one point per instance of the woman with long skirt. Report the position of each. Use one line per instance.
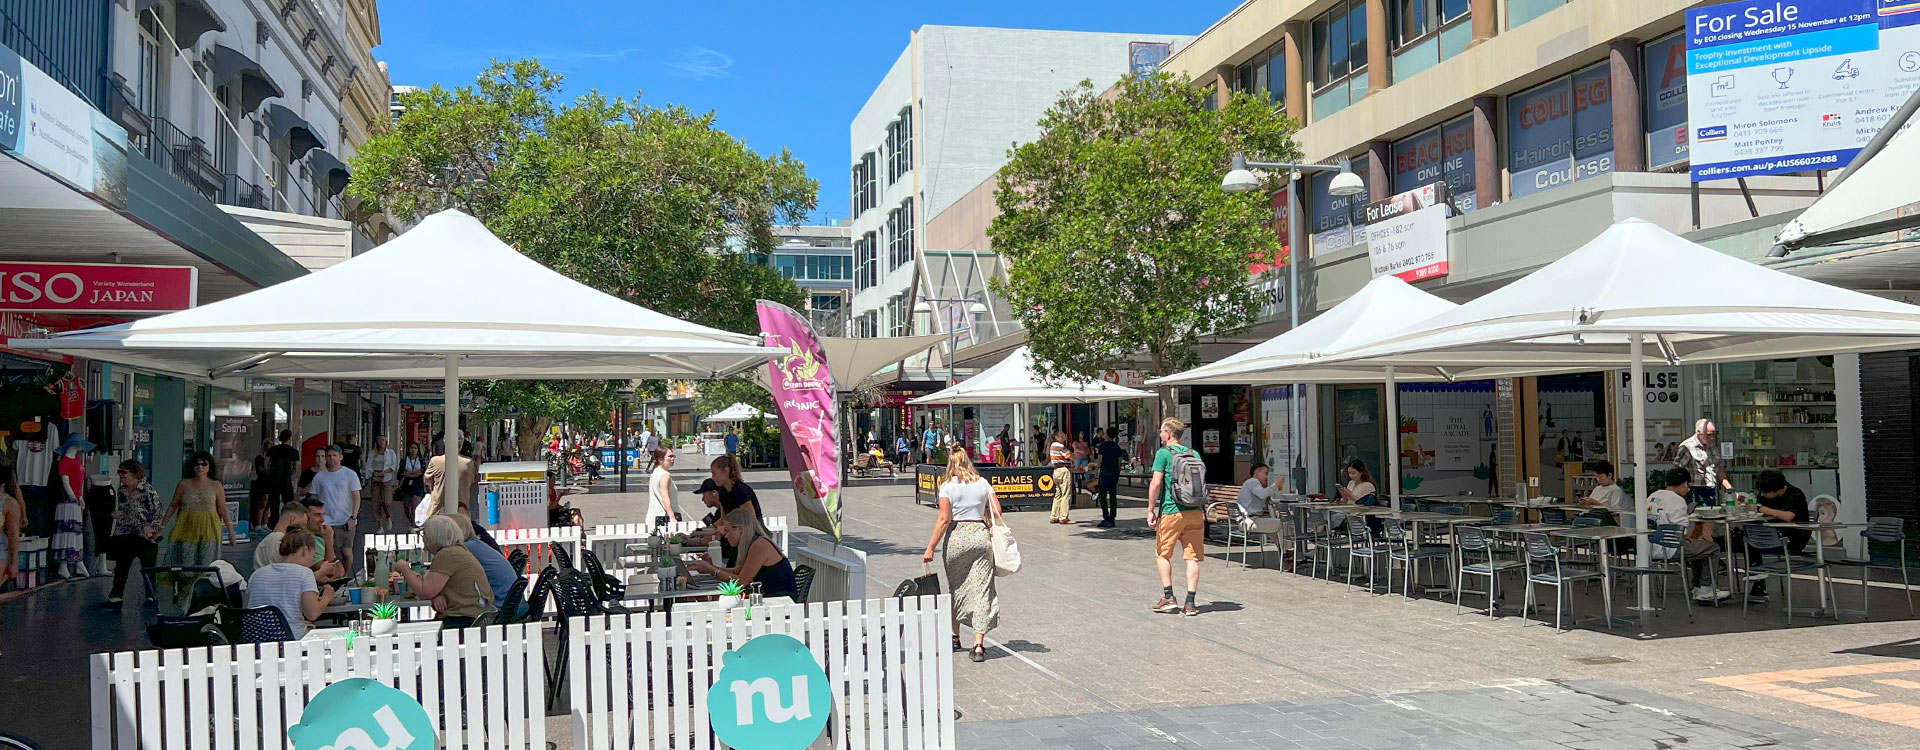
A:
(968, 507)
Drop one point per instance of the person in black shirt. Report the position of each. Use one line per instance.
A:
(349, 453)
(1781, 502)
(282, 460)
(1110, 456)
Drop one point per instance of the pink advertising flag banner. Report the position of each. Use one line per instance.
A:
(804, 397)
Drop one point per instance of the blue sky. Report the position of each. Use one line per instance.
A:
(776, 74)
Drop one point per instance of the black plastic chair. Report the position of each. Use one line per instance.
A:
(1555, 516)
(262, 624)
(515, 601)
(608, 588)
(174, 625)
(536, 608)
(561, 558)
(518, 561)
(802, 583)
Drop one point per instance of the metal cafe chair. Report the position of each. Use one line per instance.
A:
(1889, 534)
(1665, 536)
(1362, 546)
(1471, 541)
(1767, 541)
(1544, 568)
(1403, 549)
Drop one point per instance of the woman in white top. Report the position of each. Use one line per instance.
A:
(660, 490)
(1359, 485)
(290, 587)
(967, 505)
(383, 474)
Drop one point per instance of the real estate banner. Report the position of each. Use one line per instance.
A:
(50, 127)
(804, 395)
(1407, 234)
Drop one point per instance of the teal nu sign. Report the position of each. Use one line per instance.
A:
(770, 695)
(361, 714)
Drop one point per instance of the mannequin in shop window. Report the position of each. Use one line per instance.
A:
(69, 514)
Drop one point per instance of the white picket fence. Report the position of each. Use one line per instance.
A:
(484, 688)
(537, 543)
(640, 681)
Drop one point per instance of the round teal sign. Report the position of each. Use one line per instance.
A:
(770, 695)
(361, 714)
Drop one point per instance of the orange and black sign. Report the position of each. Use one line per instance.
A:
(1014, 484)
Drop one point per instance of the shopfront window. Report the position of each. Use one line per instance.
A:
(1664, 101)
(1439, 154)
(1560, 132)
(1357, 435)
(1781, 414)
(1571, 414)
(1446, 438)
(1338, 221)
(1522, 11)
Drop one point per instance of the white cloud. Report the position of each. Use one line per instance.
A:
(702, 63)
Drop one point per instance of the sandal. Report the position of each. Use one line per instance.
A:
(979, 654)
(957, 648)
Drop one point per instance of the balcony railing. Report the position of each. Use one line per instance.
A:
(239, 192)
(184, 157)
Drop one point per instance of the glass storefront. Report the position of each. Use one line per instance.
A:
(1781, 414)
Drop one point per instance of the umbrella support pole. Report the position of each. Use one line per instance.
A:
(450, 494)
(1393, 436)
(1643, 546)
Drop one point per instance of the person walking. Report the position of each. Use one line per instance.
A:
(197, 514)
(660, 500)
(1061, 459)
(968, 506)
(13, 515)
(412, 486)
(1110, 455)
(338, 488)
(136, 527)
(929, 442)
(283, 461)
(1173, 525)
(383, 471)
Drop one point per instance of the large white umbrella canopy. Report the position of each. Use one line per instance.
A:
(1884, 183)
(1692, 304)
(737, 413)
(448, 286)
(445, 300)
(853, 360)
(1014, 381)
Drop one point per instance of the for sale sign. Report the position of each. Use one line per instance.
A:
(96, 288)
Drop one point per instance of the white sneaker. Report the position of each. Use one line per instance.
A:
(1710, 594)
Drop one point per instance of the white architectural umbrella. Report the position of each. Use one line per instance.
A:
(854, 360)
(738, 413)
(1636, 283)
(1013, 381)
(444, 300)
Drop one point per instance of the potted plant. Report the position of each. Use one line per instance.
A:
(730, 592)
(674, 544)
(386, 617)
(367, 589)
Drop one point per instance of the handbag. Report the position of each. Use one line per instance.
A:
(925, 584)
(1006, 552)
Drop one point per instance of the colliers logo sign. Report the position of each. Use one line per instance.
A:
(770, 695)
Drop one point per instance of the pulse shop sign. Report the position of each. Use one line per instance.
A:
(96, 288)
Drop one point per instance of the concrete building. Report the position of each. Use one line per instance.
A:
(938, 124)
(819, 259)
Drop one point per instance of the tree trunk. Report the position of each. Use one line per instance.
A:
(527, 432)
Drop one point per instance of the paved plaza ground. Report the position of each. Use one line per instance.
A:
(1274, 660)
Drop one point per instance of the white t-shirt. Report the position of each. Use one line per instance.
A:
(1358, 490)
(1668, 508)
(1610, 496)
(656, 502)
(968, 499)
(33, 459)
(1254, 496)
(335, 490)
(280, 586)
(383, 466)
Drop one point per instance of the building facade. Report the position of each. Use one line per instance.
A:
(819, 259)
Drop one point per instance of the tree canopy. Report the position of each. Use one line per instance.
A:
(651, 204)
(1118, 238)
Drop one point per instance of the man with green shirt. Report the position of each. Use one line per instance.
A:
(1173, 526)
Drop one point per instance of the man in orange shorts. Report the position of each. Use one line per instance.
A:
(1173, 525)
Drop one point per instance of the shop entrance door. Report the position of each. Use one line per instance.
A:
(1357, 435)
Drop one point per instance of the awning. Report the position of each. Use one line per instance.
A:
(231, 65)
(191, 19)
(300, 134)
(1014, 381)
(1884, 183)
(739, 413)
(328, 170)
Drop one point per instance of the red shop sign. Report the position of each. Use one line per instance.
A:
(97, 288)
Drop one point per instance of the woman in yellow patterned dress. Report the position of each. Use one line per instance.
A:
(195, 517)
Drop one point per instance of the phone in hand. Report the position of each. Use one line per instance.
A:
(338, 584)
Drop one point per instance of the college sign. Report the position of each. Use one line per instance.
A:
(97, 288)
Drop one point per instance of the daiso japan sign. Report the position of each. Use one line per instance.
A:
(96, 288)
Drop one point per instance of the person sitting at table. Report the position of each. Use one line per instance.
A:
(1605, 493)
(500, 575)
(290, 587)
(1668, 507)
(1359, 489)
(455, 583)
(1256, 500)
(759, 559)
(292, 516)
(1781, 503)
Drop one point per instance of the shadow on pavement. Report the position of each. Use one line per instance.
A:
(1907, 649)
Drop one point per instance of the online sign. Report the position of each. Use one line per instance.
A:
(97, 288)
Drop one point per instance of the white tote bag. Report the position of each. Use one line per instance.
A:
(1006, 552)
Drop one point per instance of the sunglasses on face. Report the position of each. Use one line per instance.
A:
(201, 463)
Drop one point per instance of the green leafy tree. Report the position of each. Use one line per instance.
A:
(1118, 237)
(651, 204)
(535, 406)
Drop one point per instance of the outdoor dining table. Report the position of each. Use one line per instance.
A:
(1827, 608)
(1599, 536)
(1726, 524)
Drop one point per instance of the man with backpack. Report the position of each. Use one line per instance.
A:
(1176, 496)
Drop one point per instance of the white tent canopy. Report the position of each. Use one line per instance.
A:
(448, 286)
(1693, 304)
(737, 413)
(854, 360)
(1014, 381)
(445, 300)
(1884, 183)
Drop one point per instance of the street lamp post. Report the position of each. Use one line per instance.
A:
(620, 441)
(1240, 179)
(973, 307)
